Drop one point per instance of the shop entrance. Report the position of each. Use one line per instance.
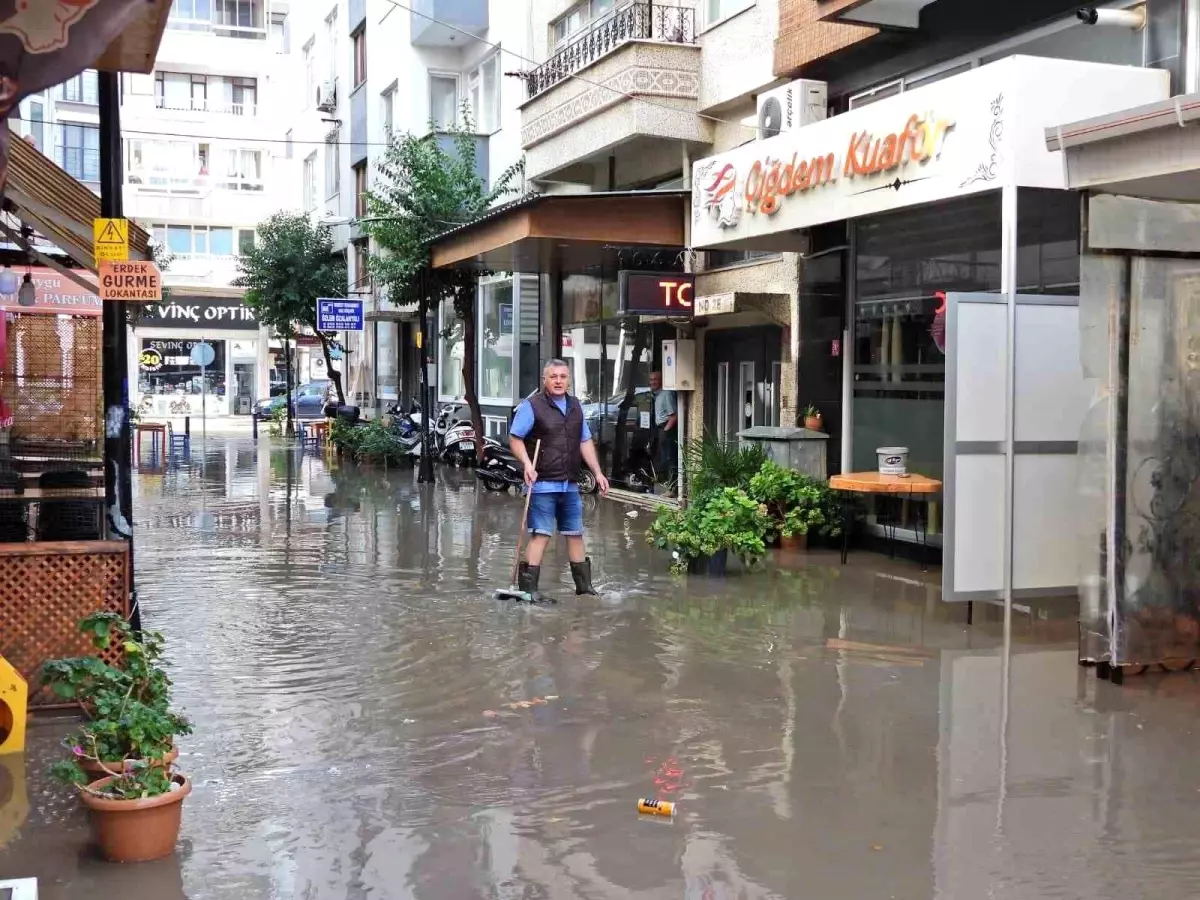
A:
(742, 373)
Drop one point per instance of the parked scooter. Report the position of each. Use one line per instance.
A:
(499, 470)
(454, 435)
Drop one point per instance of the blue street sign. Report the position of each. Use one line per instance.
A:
(202, 354)
(335, 314)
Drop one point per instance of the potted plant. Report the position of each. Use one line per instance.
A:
(701, 537)
(796, 503)
(135, 812)
(127, 706)
(812, 418)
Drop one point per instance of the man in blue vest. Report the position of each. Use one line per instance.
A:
(556, 419)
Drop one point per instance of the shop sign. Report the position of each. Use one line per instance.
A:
(55, 293)
(194, 312)
(656, 293)
(151, 360)
(137, 282)
(334, 314)
(716, 304)
(968, 133)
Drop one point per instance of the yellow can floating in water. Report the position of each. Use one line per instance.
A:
(656, 807)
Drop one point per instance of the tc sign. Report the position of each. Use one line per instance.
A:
(657, 293)
(335, 314)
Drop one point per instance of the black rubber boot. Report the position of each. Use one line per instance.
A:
(527, 581)
(582, 573)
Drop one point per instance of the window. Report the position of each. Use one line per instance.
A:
(331, 44)
(388, 98)
(242, 170)
(37, 125)
(578, 18)
(79, 151)
(239, 18)
(199, 91)
(310, 182)
(191, 15)
(716, 259)
(360, 190)
(288, 147)
(201, 240)
(360, 55)
(716, 11)
(310, 78)
(443, 101)
(496, 340)
(450, 353)
(362, 267)
(243, 96)
(83, 88)
(245, 240)
(483, 95)
(333, 163)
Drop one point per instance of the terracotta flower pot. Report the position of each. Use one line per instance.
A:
(814, 423)
(92, 768)
(136, 830)
(795, 542)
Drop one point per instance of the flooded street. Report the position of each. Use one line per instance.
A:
(825, 731)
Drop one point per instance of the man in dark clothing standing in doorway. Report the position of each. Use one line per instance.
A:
(666, 420)
(556, 419)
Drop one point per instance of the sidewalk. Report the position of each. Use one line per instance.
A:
(237, 426)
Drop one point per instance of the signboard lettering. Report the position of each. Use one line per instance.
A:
(193, 312)
(138, 281)
(656, 294)
(336, 314)
(716, 304)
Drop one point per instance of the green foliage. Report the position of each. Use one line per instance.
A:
(291, 264)
(796, 502)
(713, 464)
(723, 519)
(278, 416)
(372, 442)
(811, 411)
(128, 707)
(135, 780)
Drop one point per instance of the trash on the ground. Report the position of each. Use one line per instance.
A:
(656, 807)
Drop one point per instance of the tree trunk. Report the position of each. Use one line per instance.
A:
(470, 364)
(290, 429)
(334, 375)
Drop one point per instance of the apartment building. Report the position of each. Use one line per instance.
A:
(366, 70)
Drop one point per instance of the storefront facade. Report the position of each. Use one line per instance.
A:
(167, 382)
(936, 223)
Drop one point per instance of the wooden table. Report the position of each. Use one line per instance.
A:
(154, 429)
(907, 486)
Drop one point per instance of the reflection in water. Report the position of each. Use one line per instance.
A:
(825, 730)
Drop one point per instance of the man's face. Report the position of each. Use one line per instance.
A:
(655, 381)
(555, 380)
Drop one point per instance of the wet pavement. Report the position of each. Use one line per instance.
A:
(368, 722)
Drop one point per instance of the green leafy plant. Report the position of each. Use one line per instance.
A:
(276, 422)
(724, 519)
(134, 780)
(796, 503)
(713, 464)
(811, 412)
(128, 706)
(372, 442)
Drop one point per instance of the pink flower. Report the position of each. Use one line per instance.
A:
(77, 750)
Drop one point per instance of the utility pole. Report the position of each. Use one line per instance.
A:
(425, 470)
(118, 441)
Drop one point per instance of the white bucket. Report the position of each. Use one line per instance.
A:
(892, 460)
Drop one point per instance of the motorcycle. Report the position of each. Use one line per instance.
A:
(454, 435)
(499, 470)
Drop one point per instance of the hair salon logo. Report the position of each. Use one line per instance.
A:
(724, 194)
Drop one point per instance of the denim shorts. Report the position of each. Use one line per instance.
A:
(564, 508)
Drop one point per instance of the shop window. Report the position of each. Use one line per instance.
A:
(1048, 242)
(165, 368)
(496, 340)
(450, 354)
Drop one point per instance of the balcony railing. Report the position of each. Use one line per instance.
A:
(197, 104)
(638, 21)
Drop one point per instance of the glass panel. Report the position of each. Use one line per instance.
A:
(1048, 242)
(173, 373)
(451, 356)
(496, 341)
(443, 101)
(222, 242)
(179, 238)
(200, 240)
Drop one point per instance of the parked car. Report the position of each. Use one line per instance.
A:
(643, 402)
(309, 401)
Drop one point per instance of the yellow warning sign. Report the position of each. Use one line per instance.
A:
(110, 239)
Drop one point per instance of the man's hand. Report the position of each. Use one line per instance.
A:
(601, 484)
(530, 474)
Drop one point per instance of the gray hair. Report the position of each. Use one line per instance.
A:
(554, 364)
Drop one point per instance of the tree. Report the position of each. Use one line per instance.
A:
(423, 189)
(291, 264)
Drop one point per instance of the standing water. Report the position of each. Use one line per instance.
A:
(370, 723)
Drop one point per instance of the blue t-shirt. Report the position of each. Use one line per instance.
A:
(522, 424)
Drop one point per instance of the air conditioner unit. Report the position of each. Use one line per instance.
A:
(791, 106)
(327, 97)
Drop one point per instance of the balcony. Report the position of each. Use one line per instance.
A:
(637, 22)
(194, 200)
(569, 125)
(242, 19)
(201, 269)
(432, 21)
